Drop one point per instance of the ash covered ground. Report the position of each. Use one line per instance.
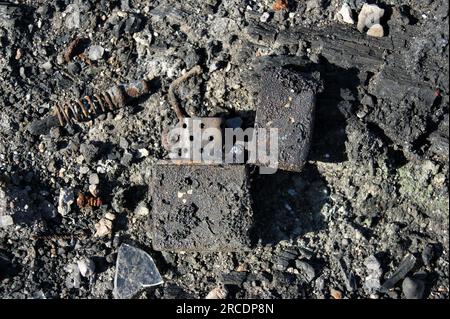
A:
(372, 198)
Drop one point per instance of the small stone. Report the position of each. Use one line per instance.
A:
(376, 31)
(55, 132)
(142, 153)
(6, 221)
(86, 267)
(96, 52)
(66, 199)
(374, 271)
(74, 67)
(73, 280)
(47, 65)
(367, 100)
(346, 14)
(89, 152)
(94, 179)
(335, 294)
(93, 189)
(413, 288)
(313, 5)
(428, 254)
(217, 293)
(369, 15)
(105, 225)
(123, 143)
(264, 17)
(72, 15)
(142, 210)
(126, 159)
(306, 270)
(373, 265)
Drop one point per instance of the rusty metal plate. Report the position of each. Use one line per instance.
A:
(196, 139)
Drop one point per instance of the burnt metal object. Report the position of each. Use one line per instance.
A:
(286, 101)
(200, 207)
(193, 133)
(89, 107)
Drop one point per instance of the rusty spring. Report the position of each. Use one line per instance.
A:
(89, 107)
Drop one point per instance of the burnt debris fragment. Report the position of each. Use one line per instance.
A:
(88, 107)
(286, 102)
(200, 207)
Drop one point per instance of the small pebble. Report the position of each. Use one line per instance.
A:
(96, 52)
(86, 267)
(335, 294)
(94, 179)
(264, 17)
(413, 288)
(376, 31)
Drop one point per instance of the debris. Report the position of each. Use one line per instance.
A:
(376, 31)
(183, 146)
(369, 16)
(66, 199)
(217, 293)
(306, 270)
(197, 70)
(72, 15)
(143, 40)
(372, 281)
(10, 14)
(94, 179)
(280, 5)
(214, 214)
(105, 225)
(74, 67)
(264, 17)
(348, 276)
(135, 270)
(86, 267)
(84, 200)
(345, 14)
(285, 257)
(142, 210)
(413, 288)
(75, 47)
(286, 101)
(403, 269)
(89, 106)
(428, 254)
(93, 189)
(6, 220)
(73, 279)
(335, 294)
(96, 52)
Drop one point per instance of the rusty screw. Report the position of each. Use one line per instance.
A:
(90, 106)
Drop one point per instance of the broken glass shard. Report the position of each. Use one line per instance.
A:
(135, 270)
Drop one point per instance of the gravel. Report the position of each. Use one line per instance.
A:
(373, 189)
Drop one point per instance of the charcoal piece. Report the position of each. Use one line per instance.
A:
(403, 269)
